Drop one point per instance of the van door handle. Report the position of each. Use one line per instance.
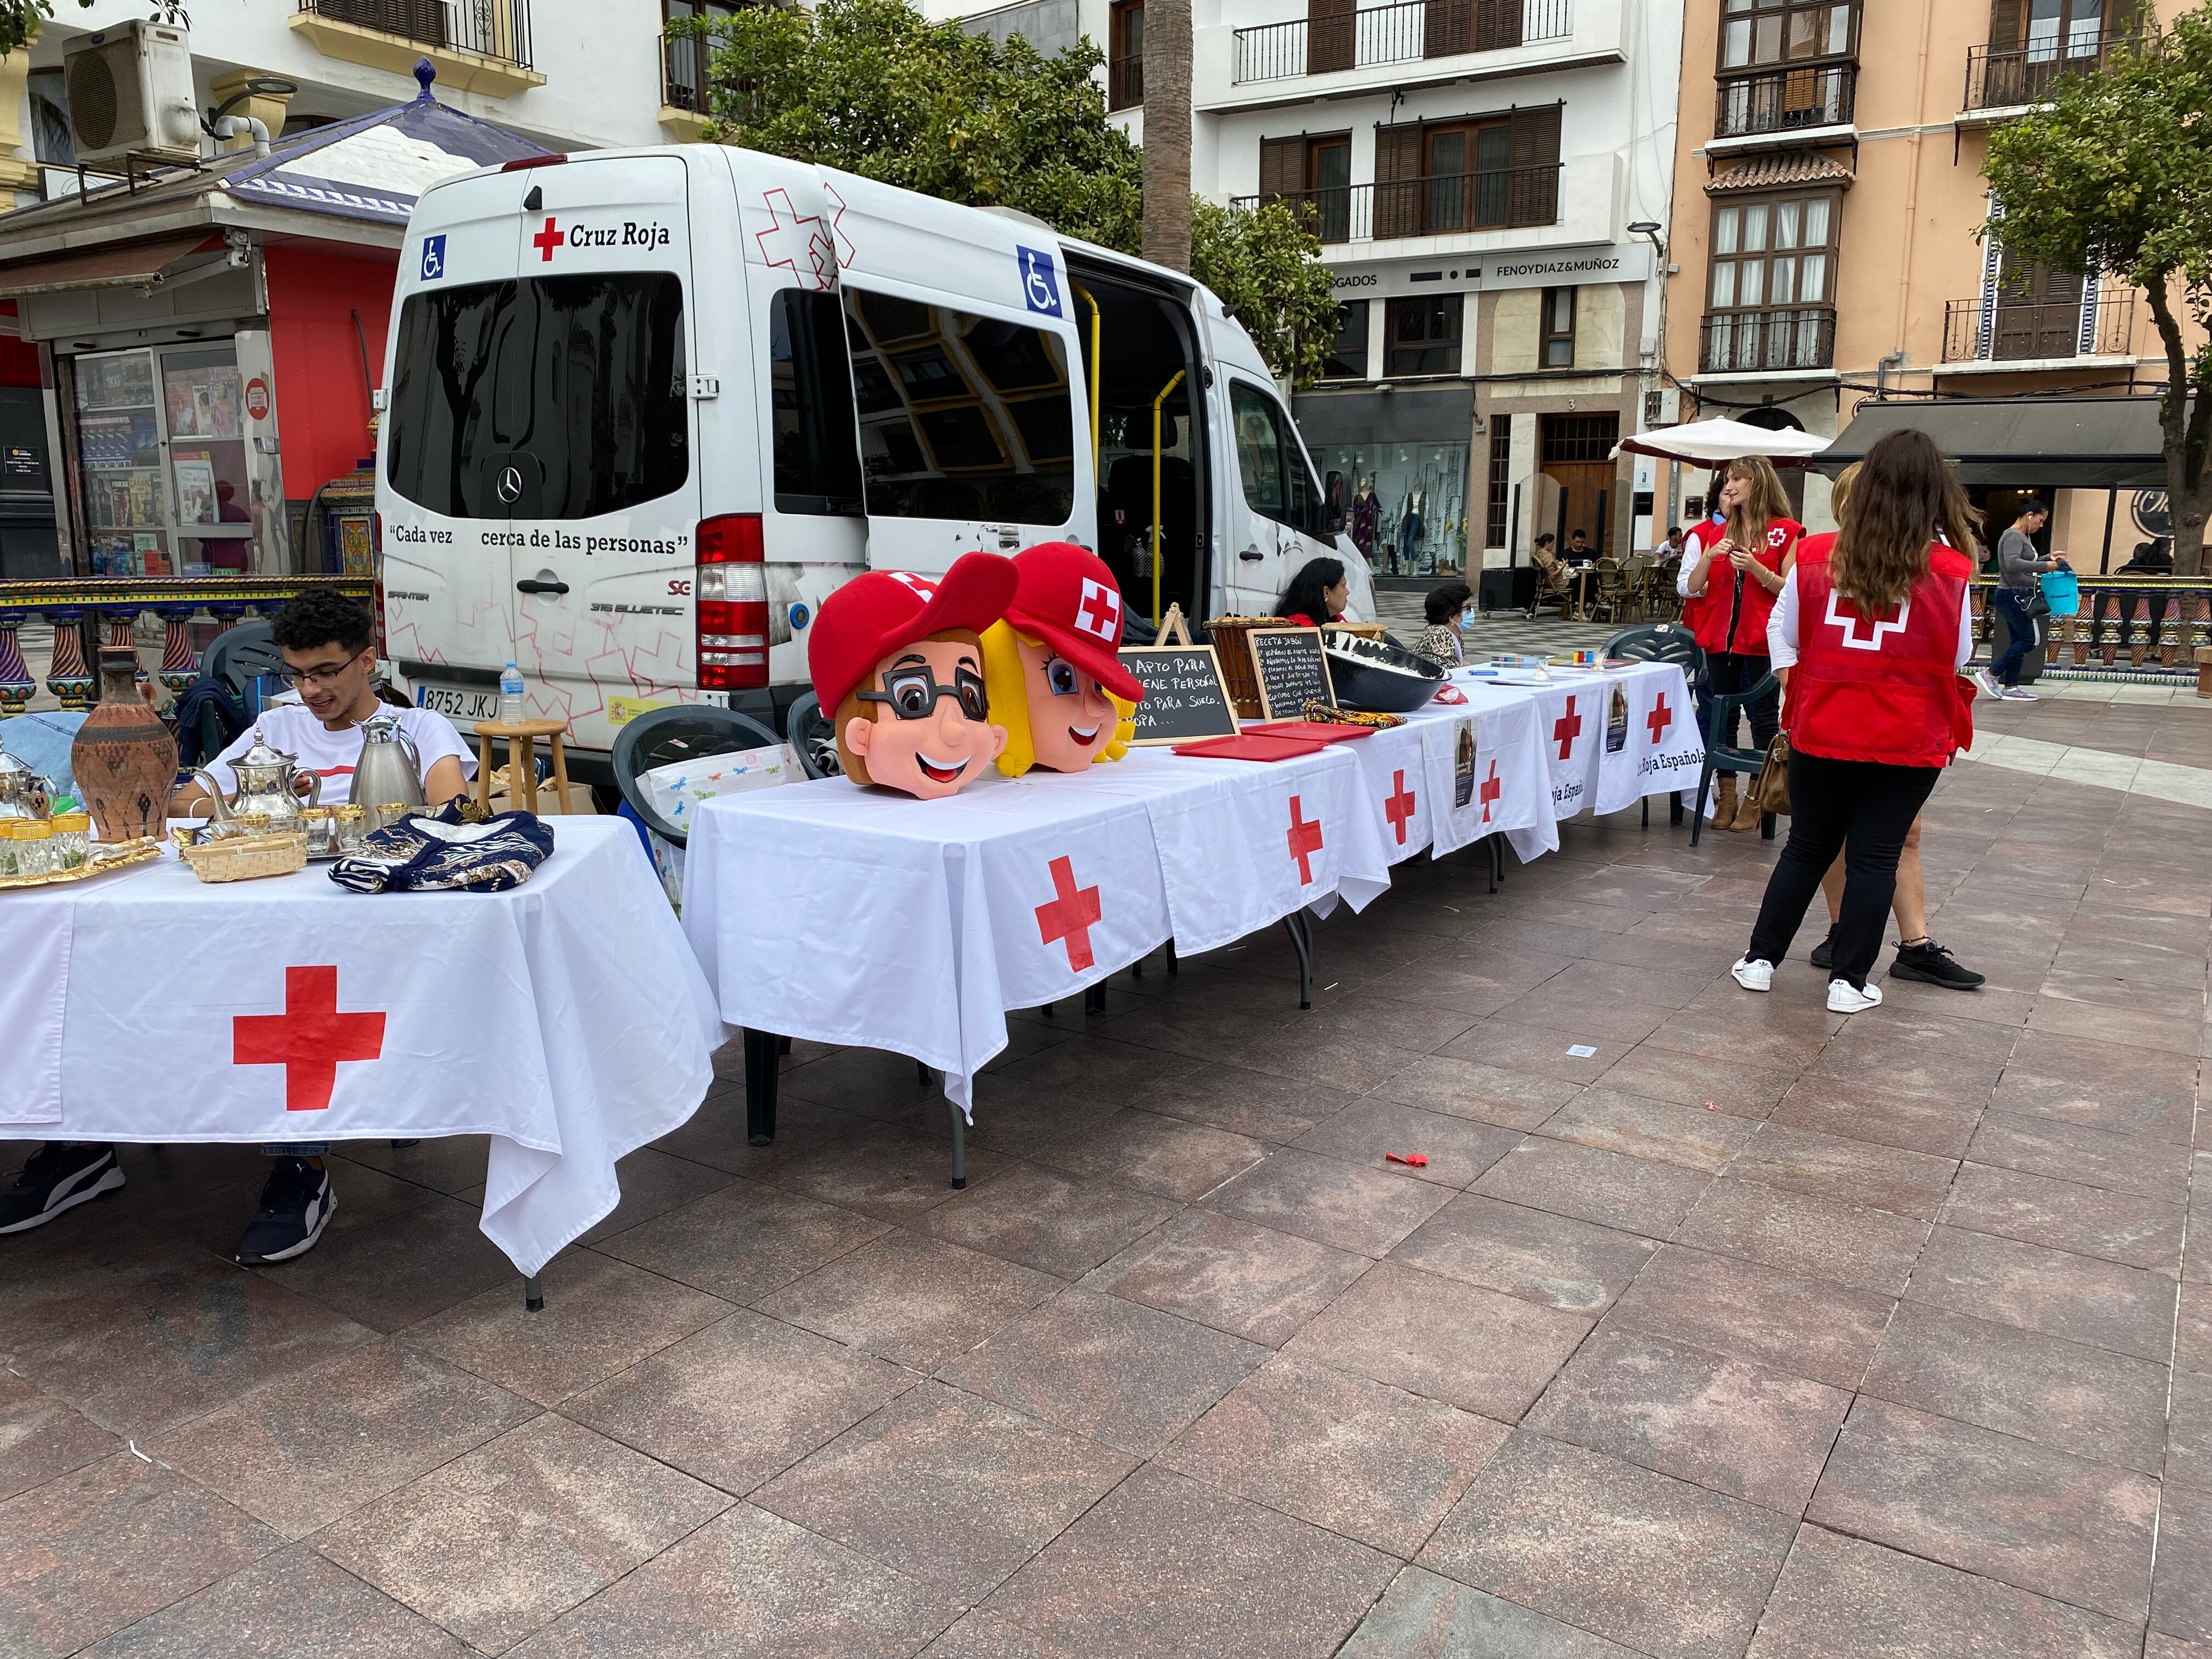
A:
(529, 586)
(1250, 556)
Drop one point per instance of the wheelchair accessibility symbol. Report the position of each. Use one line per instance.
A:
(434, 259)
(1040, 288)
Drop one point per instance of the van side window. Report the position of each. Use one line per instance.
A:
(1278, 482)
(818, 455)
(961, 416)
(577, 384)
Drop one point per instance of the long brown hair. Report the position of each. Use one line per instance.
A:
(1904, 497)
(1747, 525)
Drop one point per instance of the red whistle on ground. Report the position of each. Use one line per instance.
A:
(1417, 1160)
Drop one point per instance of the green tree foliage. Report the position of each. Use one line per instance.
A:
(2116, 174)
(871, 86)
(22, 19)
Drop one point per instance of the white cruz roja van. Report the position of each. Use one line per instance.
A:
(645, 408)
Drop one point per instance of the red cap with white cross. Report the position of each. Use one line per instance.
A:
(1067, 597)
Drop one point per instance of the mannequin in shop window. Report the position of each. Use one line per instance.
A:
(1333, 514)
(1366, 519)
(1410, 520)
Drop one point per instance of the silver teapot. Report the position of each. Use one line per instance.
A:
(390, 767)
(23, 793)
(266, 781)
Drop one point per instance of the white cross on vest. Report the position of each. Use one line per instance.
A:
(1849, 625)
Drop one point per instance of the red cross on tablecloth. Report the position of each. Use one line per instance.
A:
(1567, 729)
(546, 240)
(1399, 806)
(1492, 789)
(1070, 917)
(308, 1039)
(1660, 718)
(1305, 841)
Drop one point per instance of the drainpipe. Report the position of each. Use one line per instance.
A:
(1894, 360)
(230, 126)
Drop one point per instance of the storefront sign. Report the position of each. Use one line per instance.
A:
(1623, 262)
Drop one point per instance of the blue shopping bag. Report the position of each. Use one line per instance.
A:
(2062, 591)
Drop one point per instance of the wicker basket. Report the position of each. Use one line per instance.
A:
(1227, 635)
(247, 858)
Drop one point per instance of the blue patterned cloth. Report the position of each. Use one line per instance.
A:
(423, 851)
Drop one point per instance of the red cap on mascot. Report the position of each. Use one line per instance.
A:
(874, 614)
(1068, 600)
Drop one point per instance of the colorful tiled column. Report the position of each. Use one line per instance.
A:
(179, 667)
(17, 684)
(66, 676)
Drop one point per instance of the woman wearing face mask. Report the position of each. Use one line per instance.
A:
(1731, 573)
(1449, 609)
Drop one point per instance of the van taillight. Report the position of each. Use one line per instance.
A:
(731, 602)
(523, 164)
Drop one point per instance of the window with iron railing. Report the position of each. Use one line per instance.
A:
(1337, 35)
(1125, 55)
(1786, 101)
(2035, 43)
(685, 57)
(490, 28)
(1770, 297)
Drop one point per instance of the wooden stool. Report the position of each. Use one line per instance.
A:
(2204, 671)
(522, 760)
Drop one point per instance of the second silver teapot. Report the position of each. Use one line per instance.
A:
(390, 767)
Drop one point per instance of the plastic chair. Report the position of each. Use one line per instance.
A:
(1663, 642)
(239, 656)
(1723, 757)
(664, 735)
(813, 738)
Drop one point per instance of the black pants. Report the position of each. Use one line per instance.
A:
(1863, 810)
(1728, 675)
(2012, 606)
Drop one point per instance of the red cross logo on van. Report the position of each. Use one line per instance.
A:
(546, 240)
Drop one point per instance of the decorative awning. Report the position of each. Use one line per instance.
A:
(1788, 169)
(2022, 443)
(128, 264)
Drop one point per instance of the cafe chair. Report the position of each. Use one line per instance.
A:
(1611, 594)
(813, 738)
(1664, 642)
(664, 736)
(218, 705)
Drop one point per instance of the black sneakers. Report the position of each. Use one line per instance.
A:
(1824, 953)
(1930, 964)
(296, 1207)
(59, 1177)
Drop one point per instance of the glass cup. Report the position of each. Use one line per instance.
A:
(252, 824)
(390, 812)
(7, 847)
(351, 823)
(321, 830)
(72, 840)
(34, 847)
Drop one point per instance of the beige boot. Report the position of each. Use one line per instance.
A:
(1747, 815)
(1724, 800)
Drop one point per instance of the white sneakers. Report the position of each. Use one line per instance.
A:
(1843, 998)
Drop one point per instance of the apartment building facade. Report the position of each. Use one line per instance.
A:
(1827, 196)
(1473, 169)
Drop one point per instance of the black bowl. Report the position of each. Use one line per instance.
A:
(1378, 677)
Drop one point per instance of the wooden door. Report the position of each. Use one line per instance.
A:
(1328, 35)
(2038, 312)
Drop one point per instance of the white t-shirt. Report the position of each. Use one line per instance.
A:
(290, 727)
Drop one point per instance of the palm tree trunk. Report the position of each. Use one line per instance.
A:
(1167, 133)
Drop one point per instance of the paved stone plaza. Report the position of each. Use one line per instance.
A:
(1752, 1331)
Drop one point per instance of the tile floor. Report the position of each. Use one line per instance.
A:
(1756, 1332)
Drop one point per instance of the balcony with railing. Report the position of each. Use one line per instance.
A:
(1785, 103)
(2013, 331)
(1125, 82)
(1446, 204)
(495, 29)
(1782, 340)
(2017, 77)
(1401, 33)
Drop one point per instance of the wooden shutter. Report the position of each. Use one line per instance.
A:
(1282, 167)
(1532, 189)
(2007, 25)
(1328, 35)
(1397, 179)
(1447, 27)
(1496, 24)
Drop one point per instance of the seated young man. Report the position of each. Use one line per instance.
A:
(330, 656)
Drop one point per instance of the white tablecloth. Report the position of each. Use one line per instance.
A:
(855, 916)
(567, 1019)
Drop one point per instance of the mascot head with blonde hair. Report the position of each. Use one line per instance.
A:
(1055, 683)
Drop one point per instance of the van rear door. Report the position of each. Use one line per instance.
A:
(967, 378)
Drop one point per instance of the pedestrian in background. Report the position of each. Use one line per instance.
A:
(1729, 578)
(2020, 565)
(1447, 609)
(1881, 628)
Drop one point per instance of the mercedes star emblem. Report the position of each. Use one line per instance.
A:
(510, 484)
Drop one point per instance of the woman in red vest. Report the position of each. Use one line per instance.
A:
(1880, 624)
(1731, 574)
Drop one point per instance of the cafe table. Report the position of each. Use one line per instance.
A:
(567, 1019)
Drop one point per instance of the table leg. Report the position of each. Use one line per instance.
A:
(1094, 999)
(533, 1295)
(761, 1084)
(959, 1146)
(1172, 959)
(1294, 924)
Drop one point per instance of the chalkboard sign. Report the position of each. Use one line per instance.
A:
(1184, 697)
(1291, 670)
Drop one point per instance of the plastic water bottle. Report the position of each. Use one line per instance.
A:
(510, 695)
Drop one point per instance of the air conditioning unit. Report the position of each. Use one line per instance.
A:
(130, 94)
(1663, 407)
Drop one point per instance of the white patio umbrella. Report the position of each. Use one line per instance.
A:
(1707, 443)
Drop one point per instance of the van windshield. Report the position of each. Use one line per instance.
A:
(576, 383)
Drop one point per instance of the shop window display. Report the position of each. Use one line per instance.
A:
(1404, 505)
(184, 514)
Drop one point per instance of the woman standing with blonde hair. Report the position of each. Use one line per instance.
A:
(1880, 624)
(1731, 574)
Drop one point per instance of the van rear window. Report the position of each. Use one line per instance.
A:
(578, 383)
(961, 416)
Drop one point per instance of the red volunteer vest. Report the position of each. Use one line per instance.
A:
(1732, 615)
(1884, 690)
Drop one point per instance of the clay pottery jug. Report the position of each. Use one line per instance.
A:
(125, 759)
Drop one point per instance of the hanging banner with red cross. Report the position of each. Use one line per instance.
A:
(1654, 718)
(1064, 906)
(1486, 768)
